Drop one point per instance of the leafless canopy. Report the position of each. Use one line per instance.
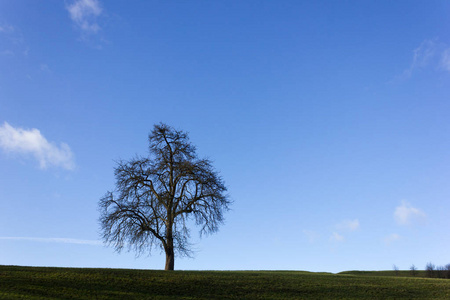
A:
(155, 196)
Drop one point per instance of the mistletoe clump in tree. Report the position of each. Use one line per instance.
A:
(155, 196)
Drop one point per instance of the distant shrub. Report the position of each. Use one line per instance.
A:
(395, 269)
(433, 271)
(430, 270)
(413, 270)
(440, 272)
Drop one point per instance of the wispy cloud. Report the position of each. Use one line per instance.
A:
(391, 238)
(344, 226)
(32, 142)
(336, 237)
(44, 68)
(311, 235)
(6, 28)
(406, 214)
(84, 14)
(348, 225)
(421, 57)
(429, 54)
(12, 41)
(55, 240)
(7, 53)
(445, 60)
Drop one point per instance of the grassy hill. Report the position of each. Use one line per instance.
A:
(69, 283)
(420, 273)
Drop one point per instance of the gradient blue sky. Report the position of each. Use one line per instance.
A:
(328, 120)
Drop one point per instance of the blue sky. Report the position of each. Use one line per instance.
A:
(329, 122)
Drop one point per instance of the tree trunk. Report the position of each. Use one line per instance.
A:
(170, 259)
(170, 255)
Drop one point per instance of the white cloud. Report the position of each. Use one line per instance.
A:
(429, 54)
(32, 142)
(84, 14)
(391, 238)
(336, 237)
(349, 225)
(405, 214)
(55, 240)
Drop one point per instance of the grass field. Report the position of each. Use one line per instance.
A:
(69, 283)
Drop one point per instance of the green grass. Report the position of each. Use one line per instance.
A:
(419, 273)
(69, 283)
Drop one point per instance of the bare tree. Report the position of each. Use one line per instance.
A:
(395, 269)
(156, 196)
(447, 271)
(430, 270)
(413, 270)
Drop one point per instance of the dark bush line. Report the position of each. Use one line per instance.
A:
(437, 272)
(431, 271)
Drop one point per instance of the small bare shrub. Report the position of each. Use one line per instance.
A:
(430, 270)
(413, 270)
(395, 269)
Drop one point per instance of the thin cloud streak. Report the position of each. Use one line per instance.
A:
(55, 240)
(348, 225)
(421, 58)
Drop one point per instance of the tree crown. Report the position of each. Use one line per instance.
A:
(155, 196)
